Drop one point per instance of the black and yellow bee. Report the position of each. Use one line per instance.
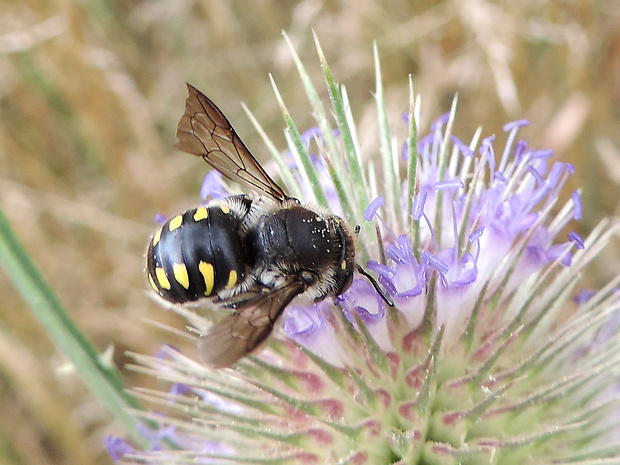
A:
(251, 254)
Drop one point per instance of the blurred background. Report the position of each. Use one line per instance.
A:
(91, 92)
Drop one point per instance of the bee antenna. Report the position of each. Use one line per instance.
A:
(386, 298)
(357, 229)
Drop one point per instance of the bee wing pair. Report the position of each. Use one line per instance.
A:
(205, 132)
(249, 327)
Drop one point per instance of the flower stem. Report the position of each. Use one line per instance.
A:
(103, 381)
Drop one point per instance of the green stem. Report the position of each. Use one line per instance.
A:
(103, 381)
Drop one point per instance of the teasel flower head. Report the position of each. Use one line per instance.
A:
(490, 354)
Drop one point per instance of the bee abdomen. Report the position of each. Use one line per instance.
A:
(197, 254)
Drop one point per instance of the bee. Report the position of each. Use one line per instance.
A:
(249, 254)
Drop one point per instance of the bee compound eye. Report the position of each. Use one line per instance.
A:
(308, 277)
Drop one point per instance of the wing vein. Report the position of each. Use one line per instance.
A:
(204, 131)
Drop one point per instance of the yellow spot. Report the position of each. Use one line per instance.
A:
(232, 279)
(207, 273)
(175, 222)
(201, 214)
(180, 274)
(343, 265)
(153, 285)
(156, 237)
(162, 279)
(225, 209)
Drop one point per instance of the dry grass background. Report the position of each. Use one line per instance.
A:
(90, 94)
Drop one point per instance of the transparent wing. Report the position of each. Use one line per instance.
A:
(248, 327)
(205, 132)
